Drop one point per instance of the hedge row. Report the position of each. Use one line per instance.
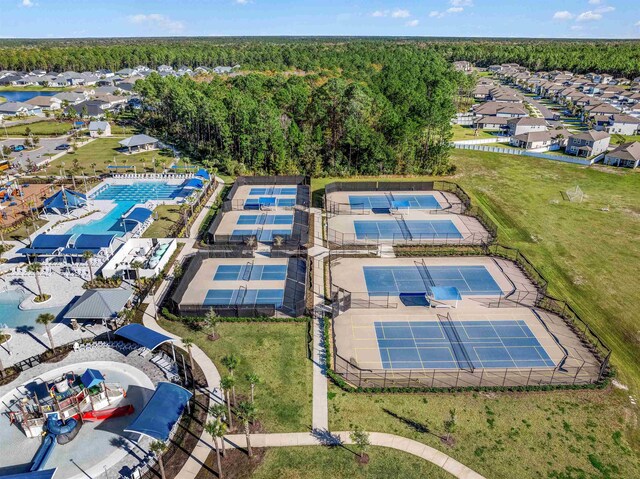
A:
(193, 320)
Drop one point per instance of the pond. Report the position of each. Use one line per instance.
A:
(25, 95)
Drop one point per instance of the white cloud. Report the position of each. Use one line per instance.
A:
(380, 13)
(241, 2)
(637, 24)
(158, 20)
(412, 23)
(27, 3)
(606, 9)
(436, 14)
(400, 13)
(563, 15)
(595, 2)
(455, 10)
(462, 3)
(589, 16)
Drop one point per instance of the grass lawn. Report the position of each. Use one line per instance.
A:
(32, 88)
(274, 351)
(167, 216)
(23, 231)
(323, 462)
(102, 152)
(2, 99)
(619, 139)
(41, 128)
(587, 256)
(467, 133)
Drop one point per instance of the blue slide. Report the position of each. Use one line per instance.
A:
(55, 427)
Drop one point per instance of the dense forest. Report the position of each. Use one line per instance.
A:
(617, 57)
(390, 115)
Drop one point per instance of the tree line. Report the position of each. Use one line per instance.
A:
(311, 54)
(392, 115)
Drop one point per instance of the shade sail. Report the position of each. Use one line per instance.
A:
(142, 335)
(193, 183)
(86, 241)
(45, 474)
(138, 215)
(204, 174)
(91, 378)
(40, 251)
(162, 411)
(45, 241)
(65, 199)
(445, 293)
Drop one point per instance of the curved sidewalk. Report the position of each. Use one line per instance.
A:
(382, 439)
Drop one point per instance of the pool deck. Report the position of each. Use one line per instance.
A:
(203, 281)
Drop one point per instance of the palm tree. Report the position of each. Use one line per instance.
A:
(226, 383)
(231, 363)
(158, 447)
(35, 268)
(217, 430)
(46, 319)
(137, 265)
(87, 255)
(188, 344)
(250, 241)
(253, 379)
(247, 412)
(93, 166)
(219, 411)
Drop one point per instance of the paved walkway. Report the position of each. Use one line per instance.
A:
(324, 438)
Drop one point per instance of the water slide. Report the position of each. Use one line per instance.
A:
(45, 450)
(55, 429)
(108, 413)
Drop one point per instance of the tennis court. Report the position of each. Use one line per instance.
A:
(406, 229)
(265, 219)
(459, 345)
(268, 202)
(229, 297)
(419, 278)
(384, 202)
(250, 272)
(273, 191)
(264, 236)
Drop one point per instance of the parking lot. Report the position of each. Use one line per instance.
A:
(46, 148)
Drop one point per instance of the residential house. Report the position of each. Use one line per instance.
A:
(589, 143)
(18, 108)
(462, 66)
(541, 140)
(491, 123)
(71, 97)
(623, 125)
(99, 128)
(45, 102)
(90, 108)
(518, 126)
(626, 155)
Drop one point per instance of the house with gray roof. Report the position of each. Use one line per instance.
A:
(626, 155)
(141, 142)
(102, 304)
(18, 108)
(518, 126)
(623, 125)
(589, 143)
(99, 128)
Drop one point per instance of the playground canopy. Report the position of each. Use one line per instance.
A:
(64, 200)
(204, 174)
(162, 412)
(143, 336)
(45, 474)
(91, 378)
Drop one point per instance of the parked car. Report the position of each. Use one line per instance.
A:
(17, 147)
(64, 146)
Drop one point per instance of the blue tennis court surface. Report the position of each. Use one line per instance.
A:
(229, 297)
(264, 236)
(251, 272)
(408, 230)
(486, 344)
(395, 280)
(384, 201)
(256, 203)
(273, 190)
(265, 219)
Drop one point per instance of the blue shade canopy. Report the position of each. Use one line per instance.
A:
(445, 293)
(400, 204)
(93, 242)
(267, 201)
(46, 474)
(92, 377)
(142, 335)
(193, 183)
(45, 241)
(162, 411)
(204, 174)
(65, 199)
(139, 215)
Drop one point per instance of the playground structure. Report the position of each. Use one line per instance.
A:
(55, 410)
(18, 202)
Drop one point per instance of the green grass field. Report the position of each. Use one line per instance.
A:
(325, 463)
(41, 128)
(167, 216)
(467, 133)
(619, 139)
(274, 351)
(102, 152)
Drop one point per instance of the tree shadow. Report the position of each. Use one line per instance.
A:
(415, 425)
(327, 439)
(28, 331)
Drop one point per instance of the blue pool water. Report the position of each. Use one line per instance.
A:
(110, 224)
(13, 317)
(140, 192)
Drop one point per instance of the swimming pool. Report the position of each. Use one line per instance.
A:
(139, 192)
(11, 316)
(110, 224)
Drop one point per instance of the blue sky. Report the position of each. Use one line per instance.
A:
(474, 18)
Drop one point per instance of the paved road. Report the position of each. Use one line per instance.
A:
(46, 146)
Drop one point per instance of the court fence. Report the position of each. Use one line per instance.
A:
(463, 207)
(303, 193)
(581, 375)
(338, 239)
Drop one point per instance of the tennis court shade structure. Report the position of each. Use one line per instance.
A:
(388, 201)
(162, 412)
(45, 474)
(396, 280)
(143, 336)
(405, 229)
(459, 344)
